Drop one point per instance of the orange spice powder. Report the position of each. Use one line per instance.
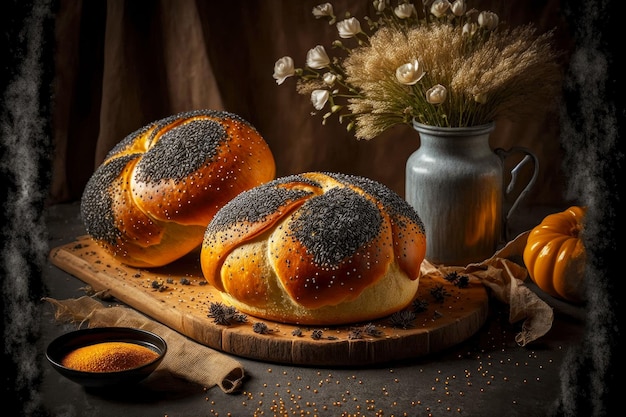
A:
(109, 357)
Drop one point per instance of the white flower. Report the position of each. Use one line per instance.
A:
(323, 10)
(470, 28)
(411, 73)
(349, 28)
(319, 98)
(379, 5)
(488, 20)
(405, 10)
(436, 94)
(458, 7)
(440, 7)
(283, 68)
(317, 58)
(329, 78)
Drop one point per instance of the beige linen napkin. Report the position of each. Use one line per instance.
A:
(184, 358)
(504, 276)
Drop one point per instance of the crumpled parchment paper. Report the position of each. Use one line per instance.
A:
(504, 276)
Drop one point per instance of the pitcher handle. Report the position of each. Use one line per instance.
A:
(529, 156)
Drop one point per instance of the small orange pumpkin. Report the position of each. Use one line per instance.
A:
(555, 255)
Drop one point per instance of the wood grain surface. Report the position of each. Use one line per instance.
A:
(178, 296)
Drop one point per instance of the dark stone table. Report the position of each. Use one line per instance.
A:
(487, 375)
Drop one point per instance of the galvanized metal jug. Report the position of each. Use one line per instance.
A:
(455, 181)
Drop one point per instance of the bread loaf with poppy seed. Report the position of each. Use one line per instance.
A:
(150, 201)
(316, 248)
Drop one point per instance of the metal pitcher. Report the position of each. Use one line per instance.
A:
(455, 182)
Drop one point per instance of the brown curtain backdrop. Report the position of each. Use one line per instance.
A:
(122, 64)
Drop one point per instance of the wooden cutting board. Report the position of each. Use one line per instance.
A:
(177, 296)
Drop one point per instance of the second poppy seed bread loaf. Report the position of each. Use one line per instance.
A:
(315, 248)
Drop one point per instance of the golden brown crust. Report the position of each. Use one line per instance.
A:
(298, 248)
(151, 199)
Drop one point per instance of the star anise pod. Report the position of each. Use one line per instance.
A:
(402, 319)
(439, 293)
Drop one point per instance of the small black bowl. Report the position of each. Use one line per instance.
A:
(62, 345)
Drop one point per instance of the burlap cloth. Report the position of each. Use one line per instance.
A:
(504, 276)
(184, 358)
